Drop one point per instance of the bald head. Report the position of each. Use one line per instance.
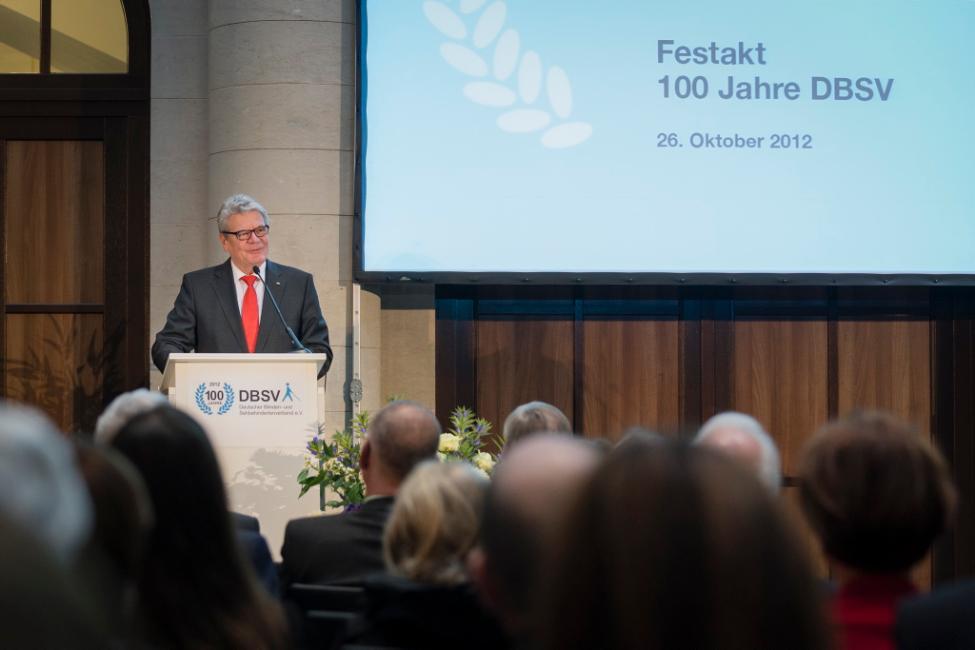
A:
(534, 417)
(530, 492)
(401, 435)
(538, 475)
(741, 437)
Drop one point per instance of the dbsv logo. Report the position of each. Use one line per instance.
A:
(286, 394)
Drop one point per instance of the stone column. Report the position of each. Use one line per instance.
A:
(281, 114)
(178, 197)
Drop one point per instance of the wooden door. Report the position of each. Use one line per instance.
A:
(68, 323)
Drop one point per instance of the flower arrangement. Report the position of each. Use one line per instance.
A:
(335, 463)
(465, 440)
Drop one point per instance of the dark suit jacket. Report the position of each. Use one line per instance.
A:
(941, 620)
(335, 548)
(405, 614)
(206, 318)
(245, 522)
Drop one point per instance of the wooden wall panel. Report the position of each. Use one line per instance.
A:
(55, 222)
(887, 365)
(611, 357)
(780, 377)
(520, 359)
(961, 451)
(630, 376)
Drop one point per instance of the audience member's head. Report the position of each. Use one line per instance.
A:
(530, 491)
(401, 435)
(743, 438)
(195, 588)
(435, 522)
(122, 409)
(876, 492)
(670, 546)
(40, 487)
(122, 508)
(640, 436)
(41, 603)
(534, 417)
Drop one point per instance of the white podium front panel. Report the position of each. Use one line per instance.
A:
(269, 405)
(260, 411)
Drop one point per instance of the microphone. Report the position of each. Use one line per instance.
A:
(294, 339)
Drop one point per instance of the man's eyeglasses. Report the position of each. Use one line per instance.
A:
(244, 235)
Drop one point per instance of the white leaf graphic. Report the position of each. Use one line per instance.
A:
(566, 135)
(487, 93)
(468, 6)
(445, 20)
(463, 59)
(559, 91)
(523, 120)
(489, 25)
(506, 54)
(529, 77)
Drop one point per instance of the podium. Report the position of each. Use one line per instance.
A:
(260, 411)
(249, 400)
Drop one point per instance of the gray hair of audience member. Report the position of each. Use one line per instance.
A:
(122, 409)
(403, 434)
(769, 468)
(534, 417)
(235, 205)
(531, 489)
(41, 488)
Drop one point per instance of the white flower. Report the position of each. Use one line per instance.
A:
(482, 472)
(449, 442)
(441, 457)
(483, 461)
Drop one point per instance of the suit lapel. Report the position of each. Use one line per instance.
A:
(269, 319)
(226, 292)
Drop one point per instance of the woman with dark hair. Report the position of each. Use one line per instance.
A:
(674, 547)
(113, 557)
(195, 588)
(877, 494)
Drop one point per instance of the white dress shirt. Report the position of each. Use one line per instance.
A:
(242, 288)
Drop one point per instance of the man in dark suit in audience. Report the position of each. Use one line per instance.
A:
(531, 490)
(222, 308)
(346, 547)
(941, 620)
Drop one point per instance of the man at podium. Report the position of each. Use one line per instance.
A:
(233, 307)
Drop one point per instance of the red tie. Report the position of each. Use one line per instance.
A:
(248, 313)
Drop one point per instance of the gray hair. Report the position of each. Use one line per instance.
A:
(235, 205)
(122, 409)
(770, 468)
(41, 488)
(534, 417)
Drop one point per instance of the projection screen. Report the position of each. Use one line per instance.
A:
(666, 137)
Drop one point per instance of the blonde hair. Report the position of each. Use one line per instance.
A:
(435, 522)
